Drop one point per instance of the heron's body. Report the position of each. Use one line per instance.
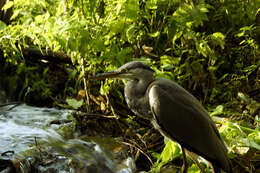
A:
(190, 125)
(174, 112)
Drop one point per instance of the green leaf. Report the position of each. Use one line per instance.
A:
(156, 34)
(15, 14)
(250, 143)
(197, 65)
(222, 77)
(170, 151)
(218, 110)
(167, 67)
(8, 5)
(2, 25)
(176, 36)
(151, 4)
(102, 106)
(204, 49)
(218, 39)
(243, 97)
(75, 104)
(132, 8)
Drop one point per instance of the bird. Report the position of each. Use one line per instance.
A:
(173, 111)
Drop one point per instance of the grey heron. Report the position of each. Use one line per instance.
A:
(173, 111)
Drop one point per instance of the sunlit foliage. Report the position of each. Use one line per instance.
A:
(209, 47)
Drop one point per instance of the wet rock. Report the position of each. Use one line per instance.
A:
(32, 142)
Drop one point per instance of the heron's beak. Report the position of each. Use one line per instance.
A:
(111, 74)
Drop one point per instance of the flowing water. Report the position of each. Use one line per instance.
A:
(36, 139)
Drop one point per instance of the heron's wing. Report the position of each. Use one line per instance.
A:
(182, 118)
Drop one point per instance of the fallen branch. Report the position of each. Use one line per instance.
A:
(34, 54)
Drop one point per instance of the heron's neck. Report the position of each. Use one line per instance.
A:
(137, 88)
(137, 97)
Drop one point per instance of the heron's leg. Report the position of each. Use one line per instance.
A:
(194, 158)
(185, 163)
(215, 168)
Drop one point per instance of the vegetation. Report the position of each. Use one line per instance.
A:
(49, 48)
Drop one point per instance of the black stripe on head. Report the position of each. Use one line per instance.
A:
(135, 65)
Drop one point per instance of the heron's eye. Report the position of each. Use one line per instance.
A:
(125, 71)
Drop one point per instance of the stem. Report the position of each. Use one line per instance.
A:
(85, 84)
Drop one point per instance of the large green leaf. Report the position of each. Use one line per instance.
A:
(75, 104)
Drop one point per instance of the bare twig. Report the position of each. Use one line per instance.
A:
(257, 111)
(6, 153)
(99, 115)
(85, 84)
(111, 107)
(139, 149)
(11, 103)
(141, 139)
(38, 146)
(92, 97)
(194, 157)
(48, 55)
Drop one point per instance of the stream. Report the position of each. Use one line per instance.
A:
(34, 139)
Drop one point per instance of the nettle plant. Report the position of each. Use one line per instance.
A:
(209, 47)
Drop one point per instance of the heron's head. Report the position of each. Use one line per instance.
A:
(134, 70)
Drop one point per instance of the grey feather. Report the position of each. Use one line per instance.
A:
(173, 111)
(190, 124)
